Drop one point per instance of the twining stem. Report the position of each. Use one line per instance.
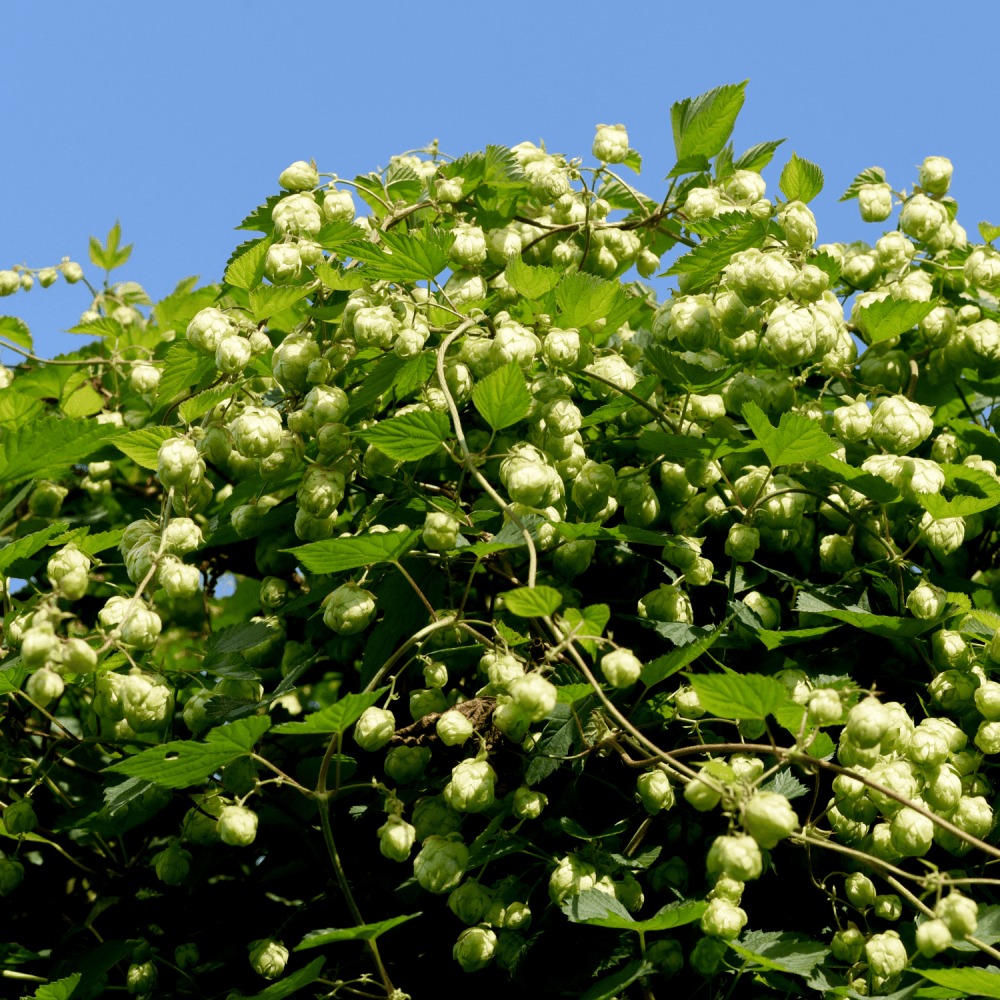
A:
(323, 797)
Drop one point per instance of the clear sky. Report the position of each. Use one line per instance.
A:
(176, 118)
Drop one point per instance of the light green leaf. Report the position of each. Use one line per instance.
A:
(977, 491)
(971, 981)
(376, 382)
(870, 175)
(335, 718)
(16, 331)
(711, 255)
(584, 298)
(633, 160)
(757, 157)
(614, 983)
(679, 447)
(288, 985)
(84, 402)
(589, 908)
(738, 696)
(593, 620)
(46, 447)
(410, 437)
(686, 374)
(677, 659)
(801, 180)
(702, 125)
(829, 265)
(987, 230)
(16, 409)
(502, 398)
(334, 235)
(616, 533)
(200, 403)
(413, 373)
(873, 487)
(795, 439)
(366, 932)
(110, 256)
(689, 165)
(568, 693)
(13, 503)
(142, 445)
(184, 368)
(338, 279)
(61, 989)
(247, 270)
(419, 256)
(234, 638)
(532, 602)
(270, 299)
(781, 951)
(92, 544)
(532, 282)
(336, 555)
(184, 762)
(891, 317)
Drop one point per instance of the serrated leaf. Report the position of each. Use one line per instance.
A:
(633, 160)
(183, 762)
(891, 317)
(531, 281)
(686, 375)
(502, 398)
(413, 373)
(782, 951)
(532, 602)
(335, 718)
(724, 162)
(679, 447)
(795, 439)
(584, 299)
(592, 620)
(237, 637)
(500, 167)
(16, 331)
(334, 235)
(143, 445)
(336, 555)
(870, 175)
(785, 783)
(411, 436)
(871, 486)
(184, 368)
(419, 256)
(987, 230)
(710, 256)
(364, 932)
(801, 180)
(247, 270)
(773, 639)
(613, 984)
(16, 409)
(616, 533)
(568, 693)
(702, 125)
(376, 382)
(738, 696)
(677, 659)
(46, 447)
(971, 981)
(270, 299)
(977, 491)
(757, 157)
(339, 279)
(828, 265)
(61, 989)
(26, 546)
(84, 402)
(689, 165)
(103, 540)
(887, 626)
(200, 403)
(290, 984)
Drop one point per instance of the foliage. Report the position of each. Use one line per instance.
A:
(429, 597)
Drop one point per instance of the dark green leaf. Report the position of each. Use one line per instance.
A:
(971, 981)
(614, 983)
(828, 265)
(184, 762)
(801, 180)
(592, 620)
(679, 447)
(532, 602)
(777, 640)
(184, 369)
(413, 373)
(689, 165)
(616, 533)
(16, 409)
(502, 398)
(977, 491)
(870, 175)
(708, 258)
(584, 298)
(677, 659)
(797, 438)
(61, 989)
(782, 951)
(236, 637)
(199, 404)
(887, 626)
(617, 406)
(890, 317)
(532, 282)
(757, 157)
(873, 487)
(376, 382)
(47, 447)
(365, 932)
(335, 718)
(702, 125)
(406, 257)
(288, 985)
(687, 375)
(738, 696)
(336, 555)
(411, 436)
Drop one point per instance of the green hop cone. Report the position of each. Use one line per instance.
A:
(959, 913)
(888, 906)
(186, 955)
(405, 764)
(396, 838)
(237, 826)
(571, 876)
(667, 956)
(46, 499)
(528, 803)
(141, 977)
(475, 948)
(933, 937)
(300, 176)
(11, 875)
(706, 957)
(268, 957)
(433, 816)
(723, 920)
(374, 728)
(534, 696)
(441, 863)
(769, 818)
(471, 788)
(453, 728)
(847, 945)
(736, 856)
(860, 890)
(349, 609)
(469, 902)
(886, 954)
(621, 668)
(654, 791)
(172, 864)
(611, 144)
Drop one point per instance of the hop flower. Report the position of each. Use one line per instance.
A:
(178, 463)
(860, 890)
(374, 728)
(935, 174)
(283, 264)
(723, 920)
(654, 791)
(611, 144)
(875, 202)
(300, 176)
(469, 902)
(848, 945)
(572, 876)
(440, 531)
(141, 977)
(141, 629)
(742, 542)
(338, 206)
(147, 701)
(257, 431)
(667, 604)
(921, 217)
(959, 913)
(886, 954)
(172, 864)
(866, 723)
(453, 729)
(405, 764)
(471, 786)
(475, 948)
(534, 696)
(912, 832)
(899, 425)
(267, 956)
(237, 826)
(69, 572)
(19, 817)
(528, 804)
(44, 686)
(297, 215)
(621, 668)
(799, 224)
(290, 362)
(737, 857)
(441, 864)
(396, 839)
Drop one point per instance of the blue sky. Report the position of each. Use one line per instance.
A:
(177, 118)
